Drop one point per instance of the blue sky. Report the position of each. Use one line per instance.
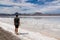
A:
(39, 2)
(30, 6)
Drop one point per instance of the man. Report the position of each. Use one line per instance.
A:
(16, 23)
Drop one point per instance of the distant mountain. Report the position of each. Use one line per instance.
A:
(34, 14)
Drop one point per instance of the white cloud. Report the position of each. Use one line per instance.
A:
(52, 6)
(19, 7)
(7, 10)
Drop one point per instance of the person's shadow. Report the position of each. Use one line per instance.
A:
(23, 33)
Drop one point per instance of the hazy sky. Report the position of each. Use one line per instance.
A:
(30, 6)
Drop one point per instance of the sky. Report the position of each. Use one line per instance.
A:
(30, 6)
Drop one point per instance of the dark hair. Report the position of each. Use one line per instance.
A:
(16, 14)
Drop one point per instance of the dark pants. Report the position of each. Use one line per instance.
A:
(16, 26)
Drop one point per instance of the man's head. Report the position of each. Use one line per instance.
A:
(16, 14)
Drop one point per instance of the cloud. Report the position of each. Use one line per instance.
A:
(53, 6)
(50, 7)
(27, 7)
(22, 7)
(8, 10)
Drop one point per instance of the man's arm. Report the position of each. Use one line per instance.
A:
(19, 21)
(14, 21)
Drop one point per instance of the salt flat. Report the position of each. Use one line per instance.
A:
(32, 27)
